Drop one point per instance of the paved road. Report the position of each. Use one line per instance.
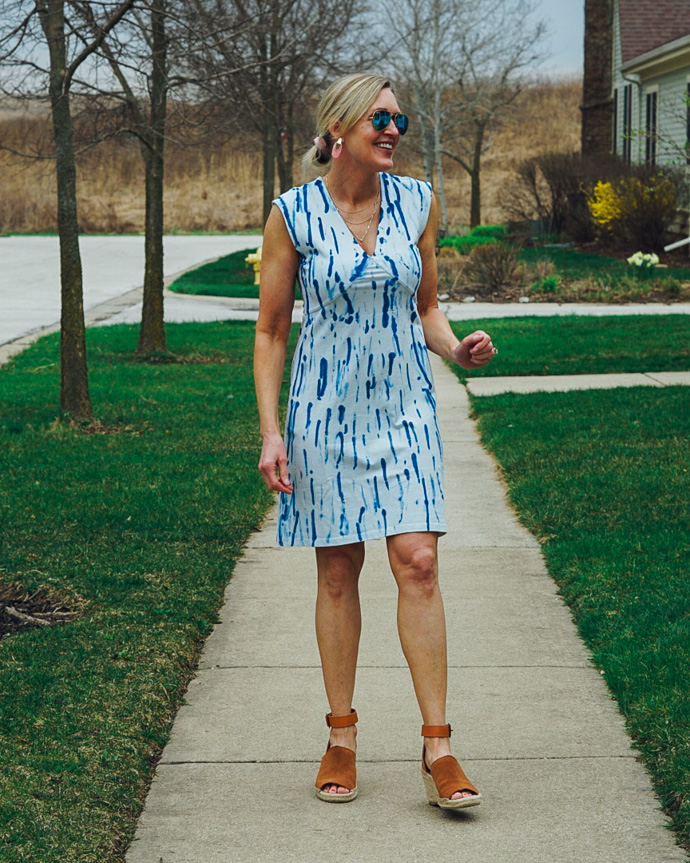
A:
(30, 272)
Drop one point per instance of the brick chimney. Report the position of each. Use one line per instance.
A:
(597, 103)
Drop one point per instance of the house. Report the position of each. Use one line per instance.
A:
(650, 81)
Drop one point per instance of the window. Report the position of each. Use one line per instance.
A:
(627, 122)
(614, 148)
(652, 128)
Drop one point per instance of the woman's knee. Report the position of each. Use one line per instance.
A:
(339, 571)
(417, 569)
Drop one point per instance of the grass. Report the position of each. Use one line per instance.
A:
(601, 478)
(579, 344)
(572, 264)
(140, 530)
(229, 276)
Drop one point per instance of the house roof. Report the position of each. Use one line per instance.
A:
(649, 24)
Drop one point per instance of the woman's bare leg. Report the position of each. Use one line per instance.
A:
(338, 627)
(422, 628)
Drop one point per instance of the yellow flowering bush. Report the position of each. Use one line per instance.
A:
(604, 205)
(635, 210)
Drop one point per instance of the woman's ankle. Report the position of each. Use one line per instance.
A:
(344, 737)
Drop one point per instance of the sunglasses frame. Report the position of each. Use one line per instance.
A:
(402, 126)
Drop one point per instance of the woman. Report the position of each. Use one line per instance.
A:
(361, 457)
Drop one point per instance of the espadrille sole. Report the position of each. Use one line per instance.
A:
(331, 797)
(435, 800)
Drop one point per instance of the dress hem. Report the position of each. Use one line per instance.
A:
(438, 528)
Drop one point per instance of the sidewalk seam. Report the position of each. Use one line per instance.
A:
(408, 760)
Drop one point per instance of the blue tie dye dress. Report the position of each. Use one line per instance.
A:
(363, 444)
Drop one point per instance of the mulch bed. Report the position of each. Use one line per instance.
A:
(512, 293)
(21, 610)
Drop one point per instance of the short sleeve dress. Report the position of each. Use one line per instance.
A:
(363, 444)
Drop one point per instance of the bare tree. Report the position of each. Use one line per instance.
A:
(462, 61)
(427, 33)
(138, 62)
(502, 43)
(283, 53)
(27, 29)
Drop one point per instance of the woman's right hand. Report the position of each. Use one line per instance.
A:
(273, 464)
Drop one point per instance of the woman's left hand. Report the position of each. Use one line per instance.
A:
(474, 350)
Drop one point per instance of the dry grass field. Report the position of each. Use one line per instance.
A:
(217, 187)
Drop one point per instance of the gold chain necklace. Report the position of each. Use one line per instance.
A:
(361, 239)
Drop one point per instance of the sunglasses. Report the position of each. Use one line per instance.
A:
(380, 120)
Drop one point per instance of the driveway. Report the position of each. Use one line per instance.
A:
(30, 272)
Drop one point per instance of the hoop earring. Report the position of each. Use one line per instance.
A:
(337, 148)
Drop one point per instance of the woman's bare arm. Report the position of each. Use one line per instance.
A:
(474, 350)
(279, 263)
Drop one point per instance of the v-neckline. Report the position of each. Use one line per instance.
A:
(344, 223)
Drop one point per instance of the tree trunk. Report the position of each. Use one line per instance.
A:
(439, 166)
(285, 149)
(426, 134)
(74, 384)
(269, 169)
(475, 186)
(152, 329)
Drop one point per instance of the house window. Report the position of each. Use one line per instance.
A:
(652, 128)
(614, 148)
(627, 122)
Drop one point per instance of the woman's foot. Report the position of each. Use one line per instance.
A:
(341, 737)
(437, 747)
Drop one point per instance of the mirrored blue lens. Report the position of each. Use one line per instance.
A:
(381, 119)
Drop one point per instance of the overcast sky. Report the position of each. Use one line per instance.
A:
(566, 22)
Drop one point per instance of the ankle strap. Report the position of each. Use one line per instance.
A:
(436, 730)
(342, 721)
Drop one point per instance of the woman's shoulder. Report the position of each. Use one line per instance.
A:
(410, 184)
(298, 205)
(298, 196)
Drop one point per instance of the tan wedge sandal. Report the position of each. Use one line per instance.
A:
(446, 776)
(338, 764)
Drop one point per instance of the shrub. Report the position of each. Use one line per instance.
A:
(492, 266)
(553, 188)
(464, 245)
(637, 210)
(495, 232)
(548, 285)
(450, 265)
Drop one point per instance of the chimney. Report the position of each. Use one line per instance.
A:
(597, 102)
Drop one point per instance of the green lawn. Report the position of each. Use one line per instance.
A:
(229, 276)
(141, 528)
(601, 478)
(572, 264)
(578, 344)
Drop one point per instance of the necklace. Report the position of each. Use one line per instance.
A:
(349, 223)
(354, 212)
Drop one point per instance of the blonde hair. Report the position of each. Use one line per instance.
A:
(345, 101)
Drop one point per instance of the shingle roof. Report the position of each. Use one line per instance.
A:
(648, 24)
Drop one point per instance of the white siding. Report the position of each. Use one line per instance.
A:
(672, 114)
(620, 83)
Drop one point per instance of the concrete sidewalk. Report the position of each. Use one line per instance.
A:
(535, 726)
(563, 383)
